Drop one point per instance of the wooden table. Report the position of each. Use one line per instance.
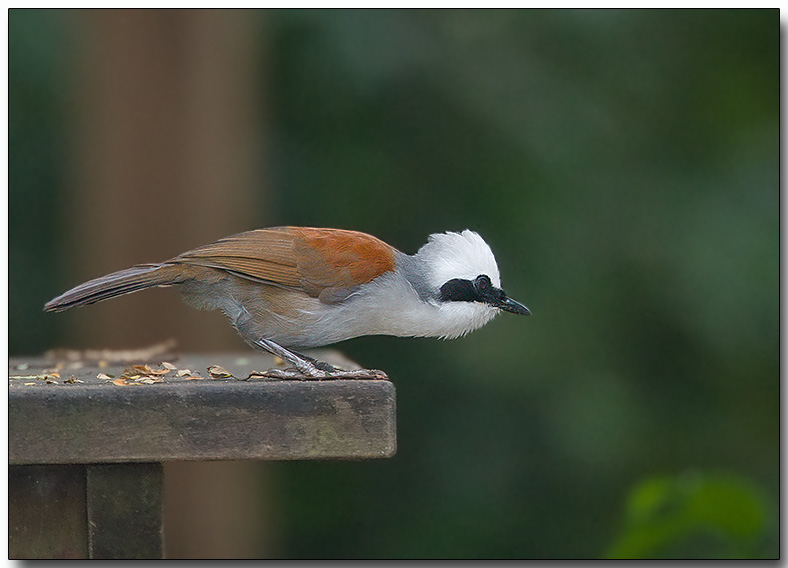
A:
(86, 443)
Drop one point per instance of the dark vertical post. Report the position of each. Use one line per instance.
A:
(46, 512)
(124, 509)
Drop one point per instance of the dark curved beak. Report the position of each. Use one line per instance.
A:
(507, 304)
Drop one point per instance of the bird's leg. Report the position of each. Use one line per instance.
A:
(304, 365)
(307, 368)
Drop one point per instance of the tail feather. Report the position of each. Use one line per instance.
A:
(116, 284)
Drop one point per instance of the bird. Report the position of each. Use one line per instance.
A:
(287, 289)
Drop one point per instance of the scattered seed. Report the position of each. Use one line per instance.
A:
(218, 372)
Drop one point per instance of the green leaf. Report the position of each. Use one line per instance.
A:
(691, 515)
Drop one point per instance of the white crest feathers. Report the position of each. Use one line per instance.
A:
(452, 255)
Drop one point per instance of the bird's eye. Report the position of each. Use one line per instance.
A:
(483, 282)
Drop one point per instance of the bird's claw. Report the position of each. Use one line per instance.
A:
(293, 374)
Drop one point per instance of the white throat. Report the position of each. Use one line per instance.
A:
(410, 313)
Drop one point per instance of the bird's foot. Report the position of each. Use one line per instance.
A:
(308, 369)
(294, 374)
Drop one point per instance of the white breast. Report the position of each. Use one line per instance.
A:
(390, 305)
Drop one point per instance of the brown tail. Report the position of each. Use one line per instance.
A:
(116, 284)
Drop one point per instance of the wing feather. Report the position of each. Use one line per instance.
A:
(336, 258)
(263, 255)
(308, 259)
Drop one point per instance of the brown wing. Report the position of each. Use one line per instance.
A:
(314, 260)
(264, 254)
(339, 259)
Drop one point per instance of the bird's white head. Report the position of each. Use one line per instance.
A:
(462, 255)
(462, 284)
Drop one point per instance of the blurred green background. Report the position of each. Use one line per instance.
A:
(624, 167)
